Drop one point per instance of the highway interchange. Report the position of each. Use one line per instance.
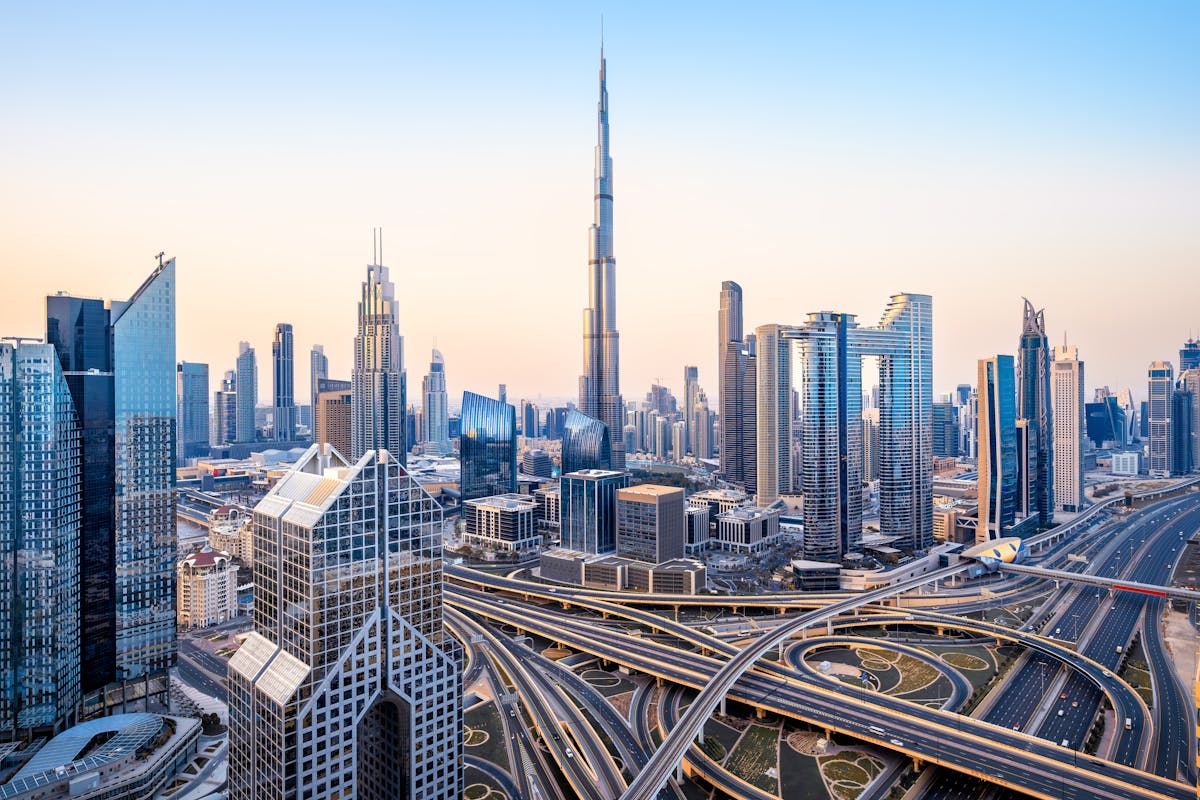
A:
(564, 740)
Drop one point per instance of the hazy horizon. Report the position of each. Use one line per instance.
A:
(823, 159)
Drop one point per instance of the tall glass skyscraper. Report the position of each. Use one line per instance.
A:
(586, 443)
(143, 341)
(349, 686)
(378, 401)
(283, 371)
(225, 410)
(436, 410)
(731, 401)
(40, 526)
(247, 396)
(120, 366)
(997, 427)
(774, 415)
(691, 386)
(191, 390)
(488, 447)
(599, 386)
(1033, 404)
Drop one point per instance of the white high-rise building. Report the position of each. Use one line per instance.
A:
(1159, 392)
(1066, 404)
(349, 686)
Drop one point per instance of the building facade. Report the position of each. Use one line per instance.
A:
(191, 415)
(1190, 381)
(332, 414)
(206, 583)
(505, 522)
(774, 414)
(318, 369)
(436, 417)
(247, 397)
(1033, 404)
(40, 534)
(224, 430)
(650, 523)
(1066, 401)
(586, 443)
(283, 382)
(349, 685)
(488, 447)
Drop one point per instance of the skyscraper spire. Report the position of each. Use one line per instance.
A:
(599, 386)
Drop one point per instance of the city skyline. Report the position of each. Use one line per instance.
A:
(996, 173)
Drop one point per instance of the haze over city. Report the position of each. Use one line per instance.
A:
(823, 157)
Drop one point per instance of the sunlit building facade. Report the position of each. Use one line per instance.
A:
(588, 508)
(1066, 401)
(378, 400)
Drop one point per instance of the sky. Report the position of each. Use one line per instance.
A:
(824, 156)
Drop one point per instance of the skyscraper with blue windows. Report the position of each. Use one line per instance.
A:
(192, 426)
(247, 393)
(997, 430)
(40, 529)
(488, 447)
(283, 372)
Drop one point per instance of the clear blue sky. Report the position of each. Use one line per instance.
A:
(824, 156)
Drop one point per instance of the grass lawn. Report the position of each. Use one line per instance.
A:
(756, 752)
(485, 735)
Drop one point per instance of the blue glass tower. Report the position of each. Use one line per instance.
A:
(488, 448)
(1033, 404)
(589, 509)
(997, 448)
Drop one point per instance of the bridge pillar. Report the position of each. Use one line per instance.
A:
(781, 644)
(782, 610)
(941, 630)
(700, 734)
(917, 764)
(829, 734)
(760, 713)
(565, 605)
(603, 614)
(829, 627)
(722, 706)
(658, 681)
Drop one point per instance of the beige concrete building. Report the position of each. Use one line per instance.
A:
(206, 589)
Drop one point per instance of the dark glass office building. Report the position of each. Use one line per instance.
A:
(1033, 404)
(945, 430)
(586, 443)
(488, 450)
(78, 328)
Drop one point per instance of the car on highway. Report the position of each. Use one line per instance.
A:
(1062, 696)
(896, 742)
(1061, 712)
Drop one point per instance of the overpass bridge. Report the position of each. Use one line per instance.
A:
(1112, 584)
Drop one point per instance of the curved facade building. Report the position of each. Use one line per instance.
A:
(586, 444)
(488, 449)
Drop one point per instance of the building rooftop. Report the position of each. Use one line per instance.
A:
(650, 490)
(748, 513)
(205, 557)
(504, 502)
(594, 473)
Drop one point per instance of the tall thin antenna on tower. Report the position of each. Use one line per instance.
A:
(374, 246)
(380, 246)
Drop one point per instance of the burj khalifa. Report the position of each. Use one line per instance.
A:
(599, 385)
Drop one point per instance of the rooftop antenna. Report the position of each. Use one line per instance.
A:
(374, 245)
(380, 246)
(159, 255)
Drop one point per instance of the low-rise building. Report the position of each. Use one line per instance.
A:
(1126, 464)
(749, 529)
(502, 522)
(206, 589)
(547, 517)
(718, 501)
